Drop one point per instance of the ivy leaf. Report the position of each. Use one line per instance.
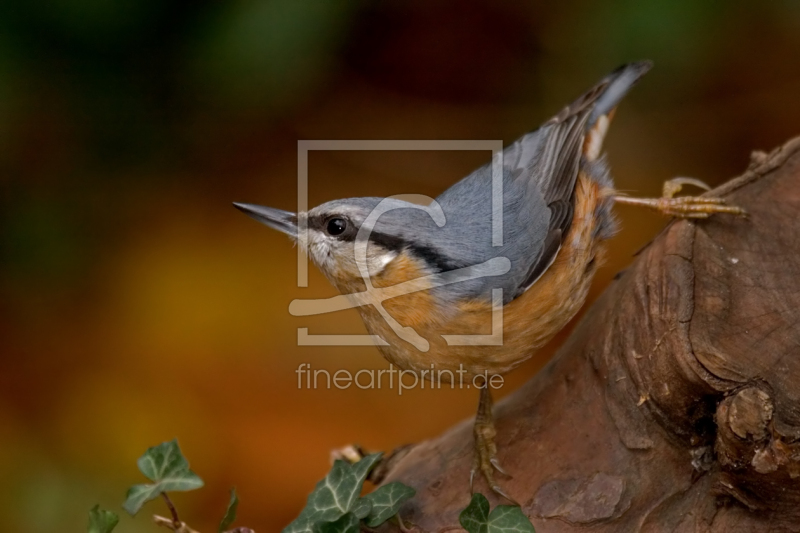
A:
(168, 468)
(334, 496)
(230, 512)
(348, 523)
(509, 519)
(102, 521)
(386, 501)
(476, 518)
(362, 508)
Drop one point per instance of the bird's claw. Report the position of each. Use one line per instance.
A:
(496, 465)
(674, 186)
(695, 207)
(486, 466)
(486, 461)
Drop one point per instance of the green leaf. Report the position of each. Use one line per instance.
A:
(230, 512)
(348, 523)
(509, 519)
(334, 496)
(137, 496)
(476, 518)
(168, 468)
(386, 501)
(362, 508)
(102, 521)
(166, 464)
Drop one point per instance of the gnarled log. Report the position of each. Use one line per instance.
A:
(675, 404)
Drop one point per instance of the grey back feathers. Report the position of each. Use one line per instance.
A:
(539, 175)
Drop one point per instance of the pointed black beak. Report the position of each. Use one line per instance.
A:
(283, 221)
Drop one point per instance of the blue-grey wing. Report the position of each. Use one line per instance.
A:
(557, 168)
(539, 175)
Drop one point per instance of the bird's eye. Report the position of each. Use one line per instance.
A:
(336, 226)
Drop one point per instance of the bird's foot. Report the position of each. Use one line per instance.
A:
(486, 461)
(684, 206)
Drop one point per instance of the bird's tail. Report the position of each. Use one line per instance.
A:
(602, 99)
(614, 87)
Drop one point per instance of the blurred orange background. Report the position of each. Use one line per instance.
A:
(137, 305)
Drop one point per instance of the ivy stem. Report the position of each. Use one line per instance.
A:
(176, 521)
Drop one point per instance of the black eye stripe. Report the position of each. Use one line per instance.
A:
(433, 258)
(316, 222)
(392, 243)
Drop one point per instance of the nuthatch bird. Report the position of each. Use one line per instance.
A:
(557, 196)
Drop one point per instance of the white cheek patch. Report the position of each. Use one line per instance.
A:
(378, 262)
(319, 250)
(337, 259)
(320, 254)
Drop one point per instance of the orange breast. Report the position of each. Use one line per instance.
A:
(529, 321)
(415, 308)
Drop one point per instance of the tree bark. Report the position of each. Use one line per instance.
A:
(674, 405)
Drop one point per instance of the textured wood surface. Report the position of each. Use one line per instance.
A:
(675, 404)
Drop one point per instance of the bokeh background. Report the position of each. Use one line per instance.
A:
(137, 305)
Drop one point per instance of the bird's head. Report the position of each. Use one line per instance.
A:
(334, 241)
